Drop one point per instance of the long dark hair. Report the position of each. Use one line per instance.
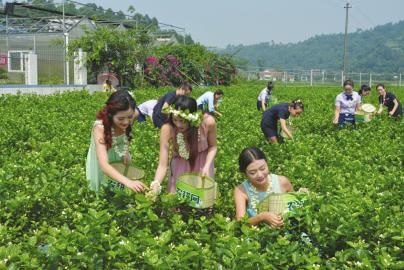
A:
(364, 88)
(380, 84)
(119, 101)
(248, 155)
(183, 103)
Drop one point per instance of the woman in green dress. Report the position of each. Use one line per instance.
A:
(110, 138)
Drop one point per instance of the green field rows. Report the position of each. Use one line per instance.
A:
(50, 219)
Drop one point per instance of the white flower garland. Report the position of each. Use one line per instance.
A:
(254, 198)
(120, 152)
(194, 119)
(182, 146)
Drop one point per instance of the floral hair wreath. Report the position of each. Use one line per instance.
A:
(194, 119)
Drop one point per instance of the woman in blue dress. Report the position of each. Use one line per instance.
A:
(260, 182)
(280, 112)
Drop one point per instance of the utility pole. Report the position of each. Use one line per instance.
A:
(347, 7)
(66, 45)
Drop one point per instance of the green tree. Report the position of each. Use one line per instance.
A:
(114, 51)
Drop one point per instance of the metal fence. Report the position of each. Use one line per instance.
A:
(50, 52)
(315, 77)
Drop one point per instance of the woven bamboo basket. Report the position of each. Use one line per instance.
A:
(291, 129)
(365, 114)
(129, 170)
(279, 203)
(199, 191)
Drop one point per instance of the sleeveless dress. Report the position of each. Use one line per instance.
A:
(94, 174)
(276, 188)
(179, 165)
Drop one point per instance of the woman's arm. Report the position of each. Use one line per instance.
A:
(380, 109)
(358, 105)
(211, 104)
(336, 115)
(395, 107)
(241, 201)
(107, 169)
(165, 135)
(218, 113)
(285, 184)
(285, 128)
(212, 144)
(263, 105)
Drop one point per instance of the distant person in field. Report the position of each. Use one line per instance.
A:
(389, 100)
(159, 118)
(209, 102)
(265, 97)
(110, 139)
(107, 86)
(146, 109)
(346, 104)
(280, 112)
(193, 139)
(364, 91)
(260, 182)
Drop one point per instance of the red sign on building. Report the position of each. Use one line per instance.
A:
(3, 59)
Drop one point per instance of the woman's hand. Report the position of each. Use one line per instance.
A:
(302, 189)
(272, 219)
(335, 121)
(391, 113)
(155, 186)
(136, 186)
(205, 171)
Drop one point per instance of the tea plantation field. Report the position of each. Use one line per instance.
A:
(49, 219)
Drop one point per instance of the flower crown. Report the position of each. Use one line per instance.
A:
(194, 119)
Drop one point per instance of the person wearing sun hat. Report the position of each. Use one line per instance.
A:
(346, 104)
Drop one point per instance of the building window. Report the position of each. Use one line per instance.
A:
(16, 61)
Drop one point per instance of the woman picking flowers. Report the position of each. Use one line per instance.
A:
(260, 182)
(194, 143)
(110, 138)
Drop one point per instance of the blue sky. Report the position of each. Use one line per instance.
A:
(222, 22)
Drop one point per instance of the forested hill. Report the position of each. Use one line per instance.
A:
(380, 49)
